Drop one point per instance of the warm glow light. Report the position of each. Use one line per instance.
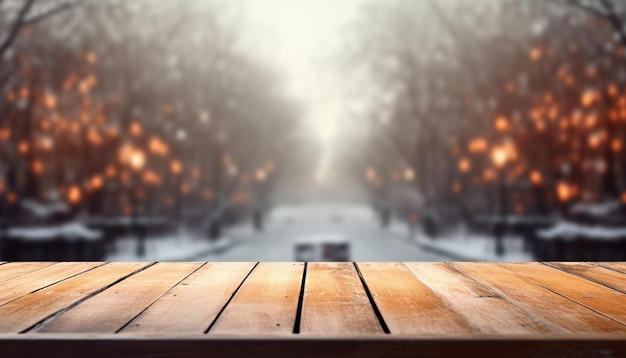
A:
(616, 145)
(261, 175)
(37, 167)
(464, 165)
(409, 174)
(499, 156)
(136, 129)
(563, 191)
(110, 171)
(91, 58)
(176, 167)
(478, 145)
(157, 146)
(96, 182)
(501, 124)
(535, 177)
(151, 177)
(589, 97)
(5, 133)
(23, 147)
(74, 194)
(137, 159)
(535, 54)
(50, 101)
(489, 175)
(93, 136)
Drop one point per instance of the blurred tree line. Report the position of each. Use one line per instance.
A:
(136, 108)
(469, 101)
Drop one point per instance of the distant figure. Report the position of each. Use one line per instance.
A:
(385, 216)
(257, 219)
(215, 229)
(430, 225)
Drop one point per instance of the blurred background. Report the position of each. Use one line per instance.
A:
(312, 130)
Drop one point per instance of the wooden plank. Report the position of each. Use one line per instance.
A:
(595, 273)
(110, 346)
(485, 310)
(26, 311)
(335, 301)
(111, 309)
(407, 305)
(191, 306)
(556, 311)
(617, 266)
(14, 269)
(25, 284)
(602, 299)
(266, 303)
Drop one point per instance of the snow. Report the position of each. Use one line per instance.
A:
(570, 231)
(72, 231)
(466, 246)
(322, 212)
(126, 220)
(596, 209)
(515, 219)
(44, 210)
(175, 247)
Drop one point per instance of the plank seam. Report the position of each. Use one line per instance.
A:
(609, 268)
(296, 324)
(567, 298)
(158, 298)
(230, 299)
(56, 314)
(584, 277)
(377, 312)
(51, 284)
(532, 316)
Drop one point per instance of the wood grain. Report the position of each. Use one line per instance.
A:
(111, 309)
(22, 285)
(29, 310)
(599, 298)
(593, 272)
(266, 303)
(407, 305)
(559, 313)
(617, 266)
(191, 306)
(14, 269)
(335, 301)
(484, 309)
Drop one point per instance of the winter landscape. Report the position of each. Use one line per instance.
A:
(301, 130)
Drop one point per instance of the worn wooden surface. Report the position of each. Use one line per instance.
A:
(365, 309)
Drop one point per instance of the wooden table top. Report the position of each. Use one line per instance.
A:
(343, 308)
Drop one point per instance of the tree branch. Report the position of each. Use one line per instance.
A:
(49, 13)
(17, 25)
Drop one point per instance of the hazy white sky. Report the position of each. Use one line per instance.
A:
(301, 37)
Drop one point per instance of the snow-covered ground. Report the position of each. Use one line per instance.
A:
(288, 225)
(465, 246)
(183, 246)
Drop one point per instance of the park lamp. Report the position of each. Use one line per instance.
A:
(137, 159)
(499, 157)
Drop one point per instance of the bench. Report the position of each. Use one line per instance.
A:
(560, 309)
